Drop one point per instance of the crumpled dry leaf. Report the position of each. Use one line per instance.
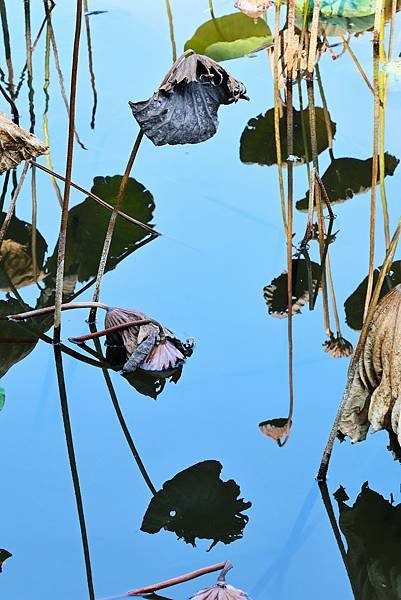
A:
(145, 346)
(276, 429)
(253, 8)
(373, 393)
(16, 144)
(184, 108)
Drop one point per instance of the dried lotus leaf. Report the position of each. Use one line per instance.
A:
(17, 144)
(276, 429)
(253, 8)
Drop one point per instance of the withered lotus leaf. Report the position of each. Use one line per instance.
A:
(17, 265)
(148, 347)
(16, 144)
(275, 294)
(196, 503)
(338, 347)
(253, 8)
(184, 108)
(372, 397)
(276, 428)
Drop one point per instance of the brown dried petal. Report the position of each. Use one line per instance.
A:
(16, 144)
(220, 591)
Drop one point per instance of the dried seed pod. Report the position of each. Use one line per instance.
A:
(253, 8)
(149, 346)
(372, 397)
(337, 346)
(276, 428)
(184, 108)
(221, 590)
(16, 144)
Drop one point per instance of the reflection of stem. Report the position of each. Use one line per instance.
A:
(73, 465)
(7, 47)
(34, 220)
(325, 110)
(120, 416)
(171, 29)
(357, 63)
(211, 9)
(277, 104)
(333, 295)
(13, 106)
(60, 73)
(392, 23)
(45, 118)
(383, 86)
(99, 200)
(27, 12)
(68, 172)
(13, 201)
(324, 465)
(337, 533)
(303, 125)
(176, 580)
(4, 190)
(90, 63)
(112, 222)
(376, 104)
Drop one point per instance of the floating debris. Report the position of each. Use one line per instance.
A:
(373, 393)
(196, 503)
(148, 346)
(221, 590)
(184, 109)
(337, 346)
(253, 8)
(17, 144)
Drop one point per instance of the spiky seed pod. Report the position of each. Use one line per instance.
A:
(16, 144)
(337, 346)
(184, 108)
(372, 397)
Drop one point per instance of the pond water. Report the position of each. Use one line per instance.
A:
(222, 242)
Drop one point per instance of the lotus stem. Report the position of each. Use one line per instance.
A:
(97, 334)
(90, 65)
(11, 208)
(277, 106)
(27, 14)
(171, 30)
(13, 106)
(7, 47)
(383, 87)
(303, 125)
(98, 200)
(47, 310)
(357, 64)
(325, 110)
(149, 589)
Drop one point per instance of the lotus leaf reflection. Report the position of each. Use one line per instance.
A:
(196, 503)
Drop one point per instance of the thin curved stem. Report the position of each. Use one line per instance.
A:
(46, 310)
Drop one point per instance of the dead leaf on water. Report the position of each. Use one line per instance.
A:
(17, 144)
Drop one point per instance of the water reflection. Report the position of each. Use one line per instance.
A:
(4, 555)
(196, 503)
(372, 529)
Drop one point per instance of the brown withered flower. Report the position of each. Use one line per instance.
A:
(16, 266)
(184, 108)
(253, 8)
(372, 397)
(337, 346)
(221, 590)
(17, 144)
(148, 346)
(276, 429)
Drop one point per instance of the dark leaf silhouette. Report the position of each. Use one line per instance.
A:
(4, 555)
(354, 304)
(230, 36)
(275, 294)
(196, 503)
(184, 108)
(16, 262)
(372, 528)
(16, 342)
(87, 226)
(348, 177)
(258, 142)
(149, 384)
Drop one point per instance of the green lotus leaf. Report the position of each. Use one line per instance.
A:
(231, 36)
